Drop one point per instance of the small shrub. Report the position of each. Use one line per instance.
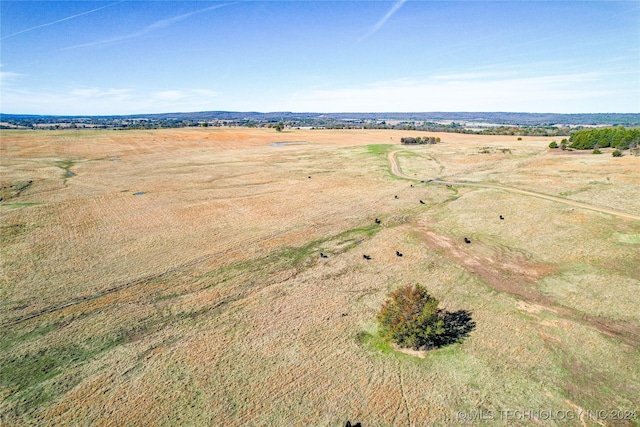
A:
(553, 144)
(411, 318)
(617, 153)
(519, 139)
(596, 151)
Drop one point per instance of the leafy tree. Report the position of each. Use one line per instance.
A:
(279, 126)
(411, 318)
(617, 153)
(553, 144)
(618, 136)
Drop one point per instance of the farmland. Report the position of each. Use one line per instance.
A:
(173, 276)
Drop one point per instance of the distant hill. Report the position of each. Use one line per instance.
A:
(501, 118)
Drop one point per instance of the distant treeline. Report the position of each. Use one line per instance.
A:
(520, 124)
(617, 137)
(419, 140)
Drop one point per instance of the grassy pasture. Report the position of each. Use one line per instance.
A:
(173, 277)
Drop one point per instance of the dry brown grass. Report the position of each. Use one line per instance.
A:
(204, 301)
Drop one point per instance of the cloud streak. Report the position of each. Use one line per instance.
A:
(397, 5)
(85, 100)
(60, 20)
(6, 76)
(466, 92)
(148, 29)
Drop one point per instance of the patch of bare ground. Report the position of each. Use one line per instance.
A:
(507, 271)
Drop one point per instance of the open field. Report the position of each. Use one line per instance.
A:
(173, 277)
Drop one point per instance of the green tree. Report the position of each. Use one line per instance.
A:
(553, 144)
(279, 126)
(411, 318)
(617, 153)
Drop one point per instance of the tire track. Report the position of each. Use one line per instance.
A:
(238, 245)
(145, 278)
(403, 394)
(395, 169)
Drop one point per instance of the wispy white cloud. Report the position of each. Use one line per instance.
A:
(7, 76)
(26, 30)
(396, 6)
(148, 29)
(578, 92)
(116, 95)
(100, 101)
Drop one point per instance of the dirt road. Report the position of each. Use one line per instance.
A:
(394, 166)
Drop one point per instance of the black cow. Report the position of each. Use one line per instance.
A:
(377, 221)
(501, 217)
(348, 424)
(466, 240)
(398, 253)
(366, 257)
(396, 197)
(421, 202)
(322, 255)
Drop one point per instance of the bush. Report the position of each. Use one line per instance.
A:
(596, 151)
(553, 144)
(617, 153)
(411, 318)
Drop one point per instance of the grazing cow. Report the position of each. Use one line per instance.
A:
(411, 185)
(396, 197)
(377, 221)
(348, 424)
(366, 257)
(421, 202)
(309, 176)
(322, 255)
(501, 217)
(398, 253)
(466, 240)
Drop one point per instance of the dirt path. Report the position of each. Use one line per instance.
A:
(395, 169)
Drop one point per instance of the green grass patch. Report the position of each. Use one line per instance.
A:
(342, 242)
(11, 339)
(373, 342)
(166, 297)
(290, 257)
(19, 205)
(379, 149)
(633, 239)
(23, 372)
(66, 165)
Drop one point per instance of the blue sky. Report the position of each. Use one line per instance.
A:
(128, 57)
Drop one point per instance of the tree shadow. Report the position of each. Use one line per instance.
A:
(457, 326)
